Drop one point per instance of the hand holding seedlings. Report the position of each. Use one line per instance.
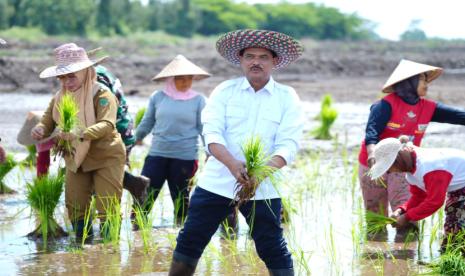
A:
(401, 222)
(37, 133)
(238, 170)
(397, 213)
(67, 136)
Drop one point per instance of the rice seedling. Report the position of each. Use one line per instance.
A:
(111, 226)
(376, 223)
(43, 196)
(256, 163)
(139, 115)
(144, 222)
(68, 110)
(451, 263)
(30, 159)
(88, 232)
(327, 101)
(327, 116)
(5, 168)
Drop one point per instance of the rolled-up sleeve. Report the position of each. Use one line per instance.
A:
(290, 129)
(213, 118)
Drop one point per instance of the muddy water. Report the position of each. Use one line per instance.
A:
(324, 233)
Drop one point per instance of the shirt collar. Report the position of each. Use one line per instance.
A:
(270, 85)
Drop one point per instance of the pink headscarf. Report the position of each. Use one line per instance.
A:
(171, 91)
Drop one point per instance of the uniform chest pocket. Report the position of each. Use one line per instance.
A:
(235, 117)
(269, 124)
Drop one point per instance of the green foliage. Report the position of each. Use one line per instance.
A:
(5, 168)
(327, 116)
(68, 110)
(180, 17)
(376, 223)
(256, 163)
(139, 115)
(43, 196)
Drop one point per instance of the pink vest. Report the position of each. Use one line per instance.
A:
(406, 119)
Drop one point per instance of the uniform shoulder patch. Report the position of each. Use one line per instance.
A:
(103, 102)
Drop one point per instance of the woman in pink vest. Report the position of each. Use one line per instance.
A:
(432, 174)
(403, 111)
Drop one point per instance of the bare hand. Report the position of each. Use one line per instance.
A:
(397, 213)
(37, 133)
(401, 222)
(138, 143)
(237, 169)
(67, 136)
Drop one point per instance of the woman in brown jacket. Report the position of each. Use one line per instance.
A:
(97, 164)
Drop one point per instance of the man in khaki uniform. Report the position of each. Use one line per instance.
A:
(97, 165)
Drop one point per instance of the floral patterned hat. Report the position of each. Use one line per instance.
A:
(286, 48)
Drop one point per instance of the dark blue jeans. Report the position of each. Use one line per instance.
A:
(207, 210)
(177, 172)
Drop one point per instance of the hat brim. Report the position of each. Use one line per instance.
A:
(55, 71)
(286, 48)
(195, 77)
(407, 69)
(380, 168)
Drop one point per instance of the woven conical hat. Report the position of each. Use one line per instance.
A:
(181, 66)
(407, 69)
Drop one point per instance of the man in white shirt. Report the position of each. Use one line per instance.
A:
(254, 105)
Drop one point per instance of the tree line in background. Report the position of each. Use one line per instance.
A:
(181, 17)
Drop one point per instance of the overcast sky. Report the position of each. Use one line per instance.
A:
(444, 18)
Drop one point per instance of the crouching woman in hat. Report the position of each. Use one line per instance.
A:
(97, 164)
(433, 174)
(173, 118)
(403, 111)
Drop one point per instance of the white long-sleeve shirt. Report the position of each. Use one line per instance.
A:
(234, 113)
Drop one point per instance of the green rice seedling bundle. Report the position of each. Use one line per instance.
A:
(111, 226)
(327, 101)
(327, 116)
(451, 263)
(68, 110)
(5, 168)
(376, 223)
(256, 163)
(43, 196)
(144, 222)
(139, 115)
(30, 159)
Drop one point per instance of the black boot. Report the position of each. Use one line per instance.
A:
(179, 268)
(83, 232)
(137, 186)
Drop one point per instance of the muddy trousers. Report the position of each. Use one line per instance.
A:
(105, 183)
(177, 173)
(377, 196)
(207, 210)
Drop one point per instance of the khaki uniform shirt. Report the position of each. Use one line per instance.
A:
(106, 147)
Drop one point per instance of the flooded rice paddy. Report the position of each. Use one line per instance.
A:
(326, 232)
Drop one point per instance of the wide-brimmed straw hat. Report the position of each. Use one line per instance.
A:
(385, 154)
(406, 69)
(286, 48)
(181, 66)
(69, 58)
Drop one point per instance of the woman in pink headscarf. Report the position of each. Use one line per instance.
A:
(173, 118)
